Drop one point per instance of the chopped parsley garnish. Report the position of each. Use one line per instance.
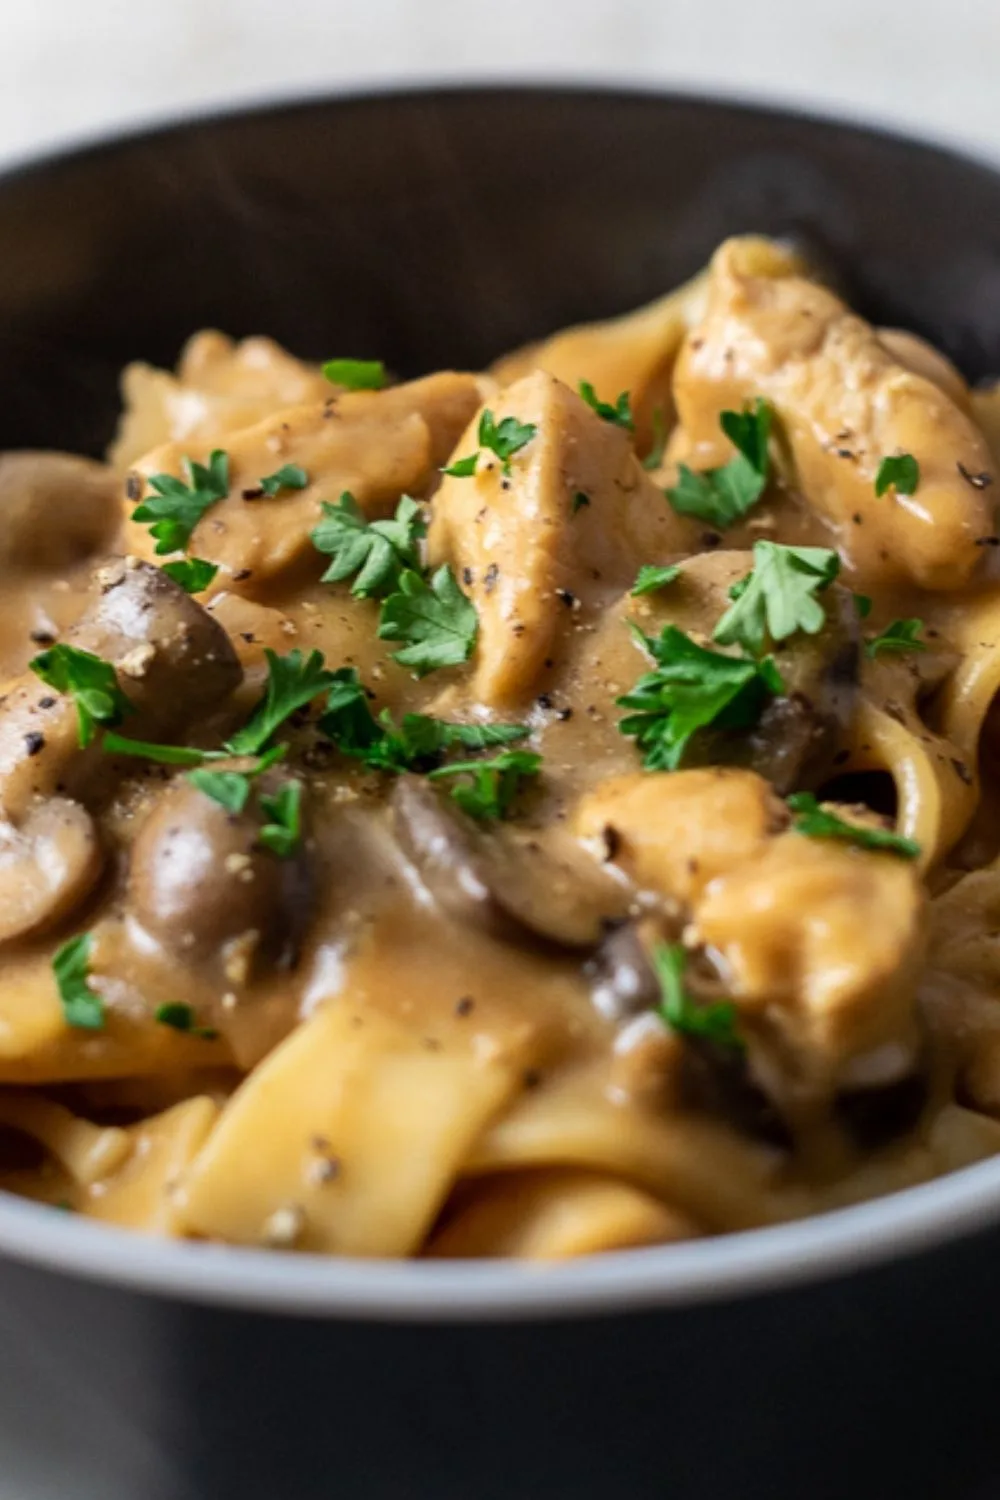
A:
(82, 1007)
(901, 473)
(176, 508)
(817, 823)
(356, 374)
(434, 619)
(863, 605)
(231, 789)
(504, 438)
(580, 501)
(180, 1017)
(192, 573)
(293, 681)
(654, 457)
(89, 680)
(721, 496)
(489, 786)
(415, 743)
(649, 579)
(901, 635)
(716, 1022)
(690, 689)
(283, 830)
(375, 553)
(165, 755)
(779, 597)
(288, 477)
(619, 415)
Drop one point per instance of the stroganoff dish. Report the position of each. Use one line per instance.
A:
(525, 813)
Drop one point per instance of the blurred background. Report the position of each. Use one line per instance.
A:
(73, 68)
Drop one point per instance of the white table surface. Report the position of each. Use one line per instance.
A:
(73, 68)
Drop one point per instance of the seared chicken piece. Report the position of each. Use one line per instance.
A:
(220, 386)
(829, 991)
(844, 402)
(376, 444)
(563, 532)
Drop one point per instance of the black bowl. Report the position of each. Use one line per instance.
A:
(805, 1363)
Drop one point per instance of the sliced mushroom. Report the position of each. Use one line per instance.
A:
(518, 890)
(875, 1116)
(201, 885)
(649, 1059)
(174, 663)
(48, 866)
(56, 509)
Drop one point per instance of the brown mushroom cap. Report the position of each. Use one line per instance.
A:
(48, 865)
(521, 891)
(199, 882)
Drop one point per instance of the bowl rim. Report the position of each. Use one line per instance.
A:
(834, 1244)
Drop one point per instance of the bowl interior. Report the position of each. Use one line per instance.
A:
(441, 228)
(436, 229)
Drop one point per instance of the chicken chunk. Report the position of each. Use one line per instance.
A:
(845, 402)
(828, 993)
(674, 832)
(563, 532)
(220, 386)
(376, 444)
(795, 934)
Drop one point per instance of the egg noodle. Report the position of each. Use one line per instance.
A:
(526, 813)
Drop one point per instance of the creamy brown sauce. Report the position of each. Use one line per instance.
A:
(431, 1035)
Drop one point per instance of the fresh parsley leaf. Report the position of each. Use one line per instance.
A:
(375, 551)
(779, 597)
(649, 579)
(580, 502)
(721, 496)
(463, 468)
(356, 374)
(620, 415)
(489, 786)
(901, 635)
(434, 619)
(89, 680)
(82, 1007)
(716, 1022)
(292, 682)
(749, 431)
(817, 823)
(182, 1017)
(690, 689)
(504, 438)
(230, 789)
(863, 606)
(288, 477)
(165, 755)
(281, 834)
(654, 457)
(192, 573)
(175, 508)
(418, 739)
(901, 473)
(347, 720)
